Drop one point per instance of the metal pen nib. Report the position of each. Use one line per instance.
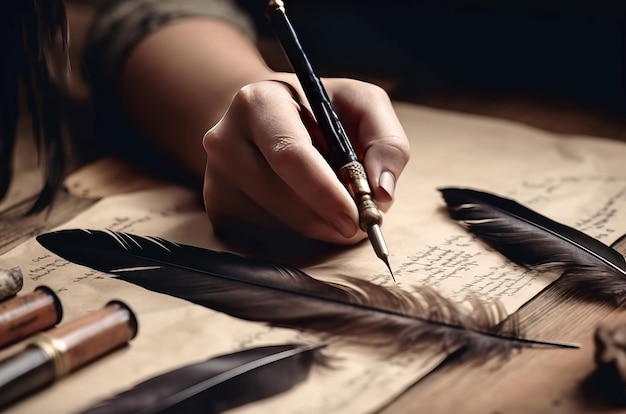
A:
(375, 235)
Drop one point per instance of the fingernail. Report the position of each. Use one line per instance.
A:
(388, 183)
(345, 225)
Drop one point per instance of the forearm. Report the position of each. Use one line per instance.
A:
(178, 82)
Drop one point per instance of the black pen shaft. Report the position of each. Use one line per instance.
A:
(340, 155)
(341, 151)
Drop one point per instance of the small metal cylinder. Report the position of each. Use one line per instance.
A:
(27, 314)
(75, 344)
(52, 355)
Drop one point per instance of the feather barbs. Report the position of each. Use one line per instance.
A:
(354, 311)
(220, 383)
(538, 242)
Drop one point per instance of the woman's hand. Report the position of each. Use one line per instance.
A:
(263, 168)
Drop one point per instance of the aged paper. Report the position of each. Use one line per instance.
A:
(579, 181)
(173, 332)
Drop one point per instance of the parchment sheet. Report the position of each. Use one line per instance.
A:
(577, 180)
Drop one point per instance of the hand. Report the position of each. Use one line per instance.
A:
(263, 169)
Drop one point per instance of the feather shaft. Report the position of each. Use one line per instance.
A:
(258, 290)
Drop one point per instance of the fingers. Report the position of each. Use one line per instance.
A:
(262, 148)
(263, 168)
(376, 132)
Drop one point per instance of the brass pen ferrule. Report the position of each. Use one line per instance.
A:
(354, 178)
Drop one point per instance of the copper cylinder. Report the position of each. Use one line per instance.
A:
(56, 353)
(75, 344)
(27, 314)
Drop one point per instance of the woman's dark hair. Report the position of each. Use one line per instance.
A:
(33, 46)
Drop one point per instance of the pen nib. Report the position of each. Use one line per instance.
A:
(380, 247)
(386, 260)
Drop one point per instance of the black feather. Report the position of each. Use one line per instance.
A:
(258, 290)
(528, 238)
(218, 384)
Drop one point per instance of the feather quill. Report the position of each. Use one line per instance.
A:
(533, 240)
(220, 383)
(259, 290)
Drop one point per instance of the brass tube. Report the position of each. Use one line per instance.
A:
(59, 352)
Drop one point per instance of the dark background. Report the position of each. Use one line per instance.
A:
(571, 51)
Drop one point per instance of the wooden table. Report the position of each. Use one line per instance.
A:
(544, 381)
